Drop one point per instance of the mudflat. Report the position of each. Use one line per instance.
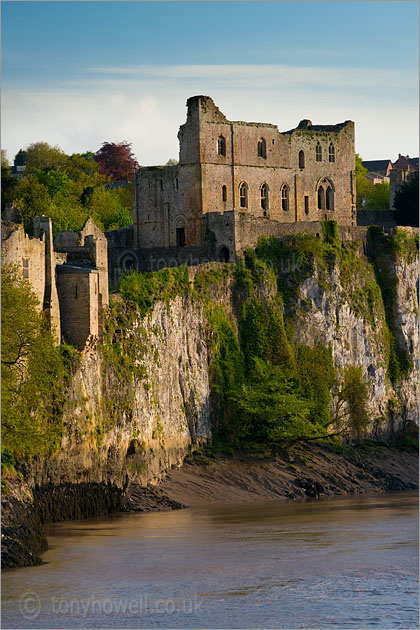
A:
(311, 471)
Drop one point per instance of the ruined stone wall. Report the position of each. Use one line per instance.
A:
(383, 218)
(248, 229)
(340, 173)
(167, 199)
(28, 254)
(208, 179)
(78, 291)
(96, 240)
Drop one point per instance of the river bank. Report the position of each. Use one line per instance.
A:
(207, 477)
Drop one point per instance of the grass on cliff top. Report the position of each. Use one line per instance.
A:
(144, 289)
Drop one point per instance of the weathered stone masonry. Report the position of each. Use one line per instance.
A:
(68, 275)
(302, 175)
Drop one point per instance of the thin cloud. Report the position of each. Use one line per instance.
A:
(145, 105)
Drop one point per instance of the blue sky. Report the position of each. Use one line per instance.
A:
(80, 73)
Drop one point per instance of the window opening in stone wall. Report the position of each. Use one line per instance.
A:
(75, 291)
(329, 198)
(224, 193)
(224, 255)
(264, 197)
(306, 202)
(318, 152)
(262, 151)
(221, 146)
(176, 183)
(301, 159)
(25, 264)
(331, 153)
(285, 197)
(180, 237)
(243, 195)
(321, 198)
(161, 184)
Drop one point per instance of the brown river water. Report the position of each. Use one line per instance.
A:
(340, 563)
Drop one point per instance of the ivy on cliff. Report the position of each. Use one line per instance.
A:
(386, 250)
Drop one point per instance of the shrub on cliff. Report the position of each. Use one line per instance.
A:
(31, 371)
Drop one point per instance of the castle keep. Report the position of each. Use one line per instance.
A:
(238, 180)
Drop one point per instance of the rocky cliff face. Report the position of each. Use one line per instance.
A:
(118, 432)
(138, 404)
(358, 337)
(154, 422)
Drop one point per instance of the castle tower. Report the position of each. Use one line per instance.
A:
(43, 231)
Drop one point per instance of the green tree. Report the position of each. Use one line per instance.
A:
(31, 371)
(270, 406)
(32, 199)
(363, 185)
(20, 158)
(378, 197)
(406, 202)
(355, 393)
(42, 156)
(8, 183)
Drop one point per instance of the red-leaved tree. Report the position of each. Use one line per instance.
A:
(117, 160)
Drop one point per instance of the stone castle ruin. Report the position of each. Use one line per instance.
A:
(69, 274)
(235, 182)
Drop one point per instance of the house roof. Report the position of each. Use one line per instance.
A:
(377, 165)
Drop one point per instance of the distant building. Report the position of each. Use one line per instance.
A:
(382, 167)
(402, 169)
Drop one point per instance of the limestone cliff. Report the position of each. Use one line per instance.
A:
(141, 401)
(132, 419)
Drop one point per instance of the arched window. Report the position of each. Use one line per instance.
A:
(224, 193)
(318, 152)
(331, 153)
(329, 198)
(321, 198)
(243, 195)
(285, 197)
(221, 146)
(262, 150)
(264, 197)
(301, 159)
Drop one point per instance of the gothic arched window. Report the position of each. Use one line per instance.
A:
(321, 198)
(264, 197)
(243, 195)
(329, 196)
(331, 153)
(318, 153)
(285, 197)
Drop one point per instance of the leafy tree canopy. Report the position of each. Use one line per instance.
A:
(8, 183)
(378, 198)
(42, 156)
(66, 188)
(406, 202)
(20, 158)
(117, 160)
(31, 371)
